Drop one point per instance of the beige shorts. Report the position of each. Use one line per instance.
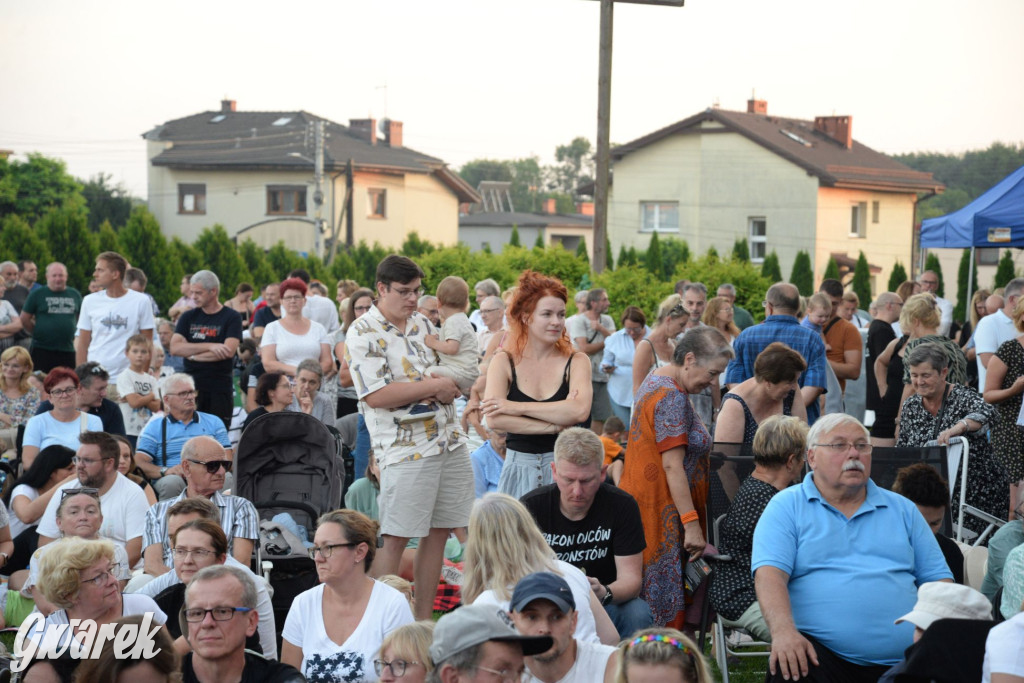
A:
(430, 493)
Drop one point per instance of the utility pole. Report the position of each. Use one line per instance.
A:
(604, 116)
(318, 178)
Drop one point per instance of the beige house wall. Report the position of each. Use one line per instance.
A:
(885, 242)
(415, 202)
(721, 180)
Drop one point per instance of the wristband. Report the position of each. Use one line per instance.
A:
(690, 516)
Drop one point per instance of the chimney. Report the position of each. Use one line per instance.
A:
(364, 129)
(550, 205)
(585, 208)
(757, 107)
(227, 106)
(392, 133)
(839, 128)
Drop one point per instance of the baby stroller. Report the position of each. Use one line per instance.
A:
(290, 463)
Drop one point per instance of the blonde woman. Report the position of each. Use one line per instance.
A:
(504, 546)
(18, 398)
(657, 349)
(405, 654)
(719, 315)
(664, 655)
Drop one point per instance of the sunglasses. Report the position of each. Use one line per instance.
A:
(213, 465)
(95, 493)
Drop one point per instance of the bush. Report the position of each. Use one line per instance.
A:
(862, 281)
(1004, 271)
(771, 269)
(960, 312)
(751, 285)
(802, 275)
(632, 286)
(741, 250)
(897, 277)
(653, 260)
(932, 263)
(831, 270)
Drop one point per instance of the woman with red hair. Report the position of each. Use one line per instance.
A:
(536, 385)
(63, 423)
(294, 338)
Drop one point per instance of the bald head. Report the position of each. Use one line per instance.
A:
(993, 303)
(784, 298)
(887, 307)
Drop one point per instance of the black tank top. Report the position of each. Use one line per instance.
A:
(535, 443)
(894, 380)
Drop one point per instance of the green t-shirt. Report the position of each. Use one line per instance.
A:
(56, 317)
(742, 317)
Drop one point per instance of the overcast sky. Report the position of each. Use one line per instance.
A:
(481, 78)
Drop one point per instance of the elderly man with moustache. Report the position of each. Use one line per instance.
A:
(863, 552)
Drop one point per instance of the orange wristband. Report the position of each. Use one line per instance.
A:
(690, 516)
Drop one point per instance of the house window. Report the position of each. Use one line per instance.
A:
(659, 216)
(858, 220)
(286, 200)
(192, 198)
(988, 257)
(377, 203)
(874, 211)
(758, 238)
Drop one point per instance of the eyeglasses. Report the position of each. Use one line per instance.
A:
(95, 493)
(397, 666)
(191, 393)
(213, 465)
(406, 293)
(101, 578)
(75, 459)
(293, 298)
(198, 553)
(97, 369)
(63, 392)
(485, 310)
(861, 447)
(504, 675)
(327, 549)
(195, 615)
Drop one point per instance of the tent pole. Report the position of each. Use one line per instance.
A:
(970, 281)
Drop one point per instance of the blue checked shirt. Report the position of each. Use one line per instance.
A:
(785, 329)
(238, 518)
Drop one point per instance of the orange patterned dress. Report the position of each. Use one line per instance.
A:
(663, 419)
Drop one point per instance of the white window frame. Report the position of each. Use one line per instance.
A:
(859, 220)
(757, 239)
(657, 206)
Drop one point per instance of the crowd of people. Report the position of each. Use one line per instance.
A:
(558, 467)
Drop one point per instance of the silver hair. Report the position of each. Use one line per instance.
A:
(729, 287)
(1013, 288)
(219, 571)
(206, 279)
(705, 343)
(826, 424)
(424, 299)
(174, 380)
(696, 287)
(310, 364)
(489, 286)
(928, 353)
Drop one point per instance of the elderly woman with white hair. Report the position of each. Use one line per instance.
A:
(940, 410)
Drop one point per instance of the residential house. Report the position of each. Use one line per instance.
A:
(489, 223)
(254, 173)
(783, 184)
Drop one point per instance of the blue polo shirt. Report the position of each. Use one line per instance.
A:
(849, 579)
(788, 330)
(178, 432)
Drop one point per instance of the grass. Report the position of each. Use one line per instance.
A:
(743, 670)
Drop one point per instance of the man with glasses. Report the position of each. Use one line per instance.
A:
(929, 281)
(205, 464)
(220, 613)
(482, 290)
(997, 328)
(479, 643)
(428, 306)
(49, 315)
(426, 475)
(207, 337)
(123, 503)
(863, 551)
(781, 304)
(161, 441)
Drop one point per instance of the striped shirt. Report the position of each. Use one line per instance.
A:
(238, 518)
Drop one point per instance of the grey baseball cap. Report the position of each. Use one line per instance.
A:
(471, 625)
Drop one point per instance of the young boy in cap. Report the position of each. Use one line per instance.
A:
(542, 605)
(478, 643)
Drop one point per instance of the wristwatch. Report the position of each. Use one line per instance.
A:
(163, 471)
(607, 595)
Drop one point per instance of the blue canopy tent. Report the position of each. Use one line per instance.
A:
(995, 219)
